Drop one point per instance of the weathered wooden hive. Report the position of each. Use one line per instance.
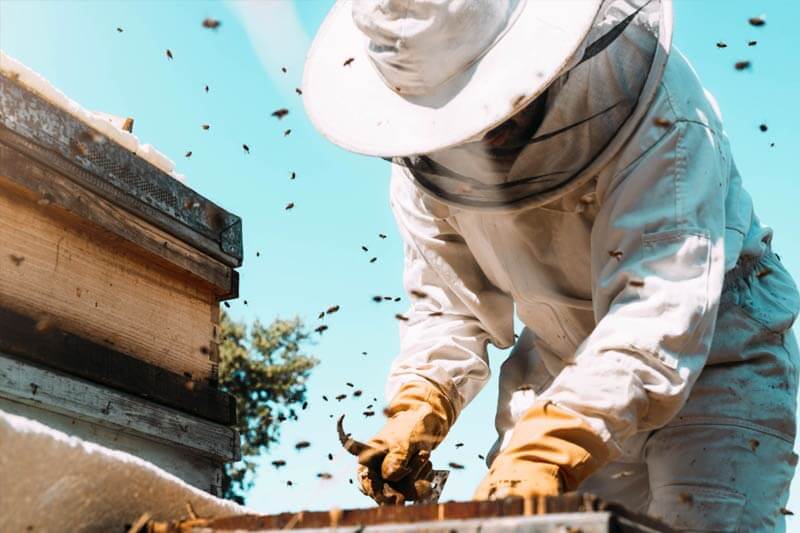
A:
(569, 513)
(111, 275)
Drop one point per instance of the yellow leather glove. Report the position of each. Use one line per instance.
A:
(551, 451)
(397, 467)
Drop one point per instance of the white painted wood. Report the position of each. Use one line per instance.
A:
(54, 391)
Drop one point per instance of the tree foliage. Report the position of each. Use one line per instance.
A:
(265, 368)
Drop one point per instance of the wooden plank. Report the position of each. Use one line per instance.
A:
(73, 355)
(74, 275)
(594, 522)
(31, 124)
(49, 186)
(544, 514)
(195, 469)
(54, 391)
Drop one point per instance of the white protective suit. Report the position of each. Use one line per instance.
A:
(653, 304)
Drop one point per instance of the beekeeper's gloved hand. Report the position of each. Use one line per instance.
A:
(551, 451)
(397, 468)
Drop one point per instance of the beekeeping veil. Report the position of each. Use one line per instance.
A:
(422, 83)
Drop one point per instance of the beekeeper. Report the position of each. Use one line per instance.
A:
(562, 158)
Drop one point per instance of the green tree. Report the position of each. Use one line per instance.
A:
(265, 369)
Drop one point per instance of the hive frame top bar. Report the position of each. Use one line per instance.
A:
(52, 136)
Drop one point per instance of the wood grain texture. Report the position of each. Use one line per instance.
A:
(60, 393)
(73, 274)
(459, 516)
(73, 355)
(50, 186)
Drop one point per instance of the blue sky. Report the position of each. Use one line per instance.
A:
(311, 257)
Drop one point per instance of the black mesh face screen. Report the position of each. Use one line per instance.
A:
(557, 136)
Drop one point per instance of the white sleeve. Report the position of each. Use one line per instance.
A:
(658, 265)
(455, 310)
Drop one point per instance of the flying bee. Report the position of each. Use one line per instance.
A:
(169, 54)
(246, 148)
(320, 329)
(341, 397)
(616, 254)
(368, 413)
(16, 259)
(358, 393)
(289, 206)
(278, 463)
(381, 235)
(280, 113)
(662, 122)
(287, 132)
(205, 126)
(418, 294)
(211, 24)
(403, 318)
(459, 444)
(349, 61)
(765, 272)
(303, 444)
(456, 466)
(332, 309)
(188, 154)
(721, 44)
(741, 65)
(324, 475)
(757, 21)
(373, 259)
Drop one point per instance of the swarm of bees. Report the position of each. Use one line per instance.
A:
(369, 410)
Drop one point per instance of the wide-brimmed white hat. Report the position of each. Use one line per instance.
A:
(403, 77)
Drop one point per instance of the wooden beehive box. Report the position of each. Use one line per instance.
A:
(572, 512)
(111, 270)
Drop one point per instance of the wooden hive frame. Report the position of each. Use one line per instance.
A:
(476, 515)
